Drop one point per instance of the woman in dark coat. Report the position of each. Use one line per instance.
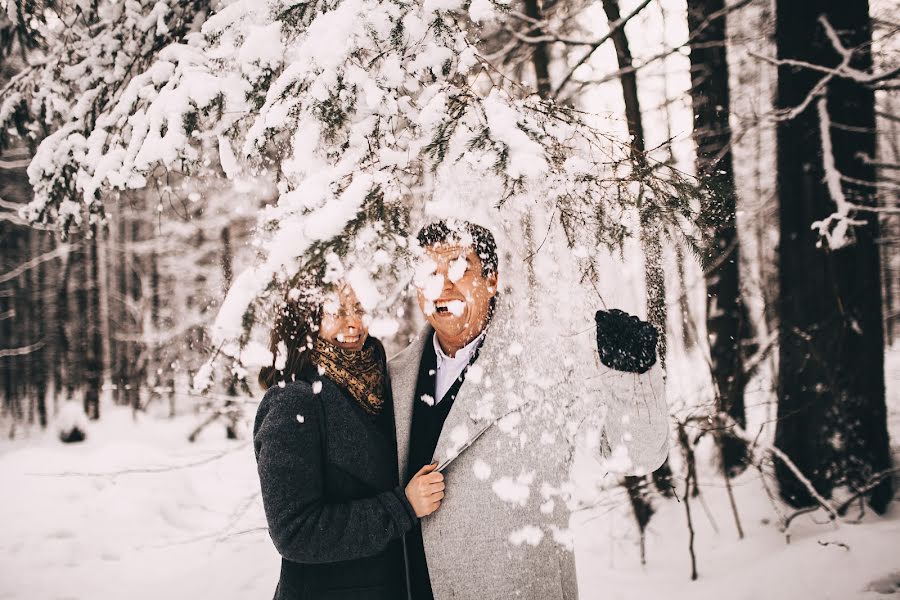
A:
(327, 458)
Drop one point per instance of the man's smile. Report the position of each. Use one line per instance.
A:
(449, 307)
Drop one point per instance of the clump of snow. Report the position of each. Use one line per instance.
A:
(475, 373)
(528, 534)
(481, 469)
(481, 11)
(427, 399)
(457, 269)
(509, 422)
(514, 491)
(72, 422)
(431, 287)
(301, 419)
(456, 307)
(383, 327)
(316, 386)
(366, 291)
(459, 435)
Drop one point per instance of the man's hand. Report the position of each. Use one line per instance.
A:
(426, 490)
(625, 343)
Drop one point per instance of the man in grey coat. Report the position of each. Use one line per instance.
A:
(500, 412)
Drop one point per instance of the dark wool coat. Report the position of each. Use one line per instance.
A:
(330, 490)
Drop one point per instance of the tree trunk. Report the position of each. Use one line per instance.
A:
(103, 287)
(831, 410)
(152, 329)
(232, 431)
(93, 359)
(40, 372)
(136, 361)
(28, 325)
(540, 56)
(77, 327)
(62, 372)
(123, 319)
(7, 306)
(726, 317)
(650, 241)
(650, 238)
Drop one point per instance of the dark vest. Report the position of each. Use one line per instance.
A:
(427, 423)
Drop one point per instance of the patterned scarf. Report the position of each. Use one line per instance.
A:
(359, 373)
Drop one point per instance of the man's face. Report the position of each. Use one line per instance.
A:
(453, 293)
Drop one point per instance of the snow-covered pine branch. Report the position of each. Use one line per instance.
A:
(355, 108)
(89, 54)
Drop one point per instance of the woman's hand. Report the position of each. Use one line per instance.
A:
(425, 490)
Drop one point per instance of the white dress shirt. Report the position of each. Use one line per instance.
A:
(450, 368)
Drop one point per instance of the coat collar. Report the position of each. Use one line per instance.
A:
(475, 403)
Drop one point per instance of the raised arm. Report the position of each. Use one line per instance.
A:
(636, 428)
(289, 437)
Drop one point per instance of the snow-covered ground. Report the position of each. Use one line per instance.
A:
(136, 511)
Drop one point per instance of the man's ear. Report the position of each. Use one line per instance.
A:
(492, 283)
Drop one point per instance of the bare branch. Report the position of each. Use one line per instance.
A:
(60, 251)
(778, 453)
(22, 350)
(664, 54)
(613, 28)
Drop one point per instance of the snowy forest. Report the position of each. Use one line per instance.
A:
(727, 170)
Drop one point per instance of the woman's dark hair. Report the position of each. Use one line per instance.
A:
(296, 326)
(446, 231)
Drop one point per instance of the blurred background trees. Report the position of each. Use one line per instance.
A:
(783, 278)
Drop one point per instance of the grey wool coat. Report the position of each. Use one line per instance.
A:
(502, 530)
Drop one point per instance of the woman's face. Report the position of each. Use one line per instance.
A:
(342, 320)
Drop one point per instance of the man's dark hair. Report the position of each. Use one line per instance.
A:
(452, 231)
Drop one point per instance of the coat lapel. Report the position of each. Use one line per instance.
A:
(475, 404)
(404, 371)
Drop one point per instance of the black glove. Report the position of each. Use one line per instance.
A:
(625, 343)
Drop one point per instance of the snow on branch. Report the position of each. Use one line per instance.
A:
(91, 53)
(358, 110)
(833, 229)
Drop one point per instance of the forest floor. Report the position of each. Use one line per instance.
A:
(137, 511)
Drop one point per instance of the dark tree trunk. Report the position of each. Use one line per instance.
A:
(28, 325)
(154, 370)
(61, 369)
(136, 359)
(231, 408)
(121, 309)
(654, 276)
(78, 307)
(7, 364)
(726, 318)
(540, 56)
(831, 411)
(93, 359)
(650, 241)
(39, 327)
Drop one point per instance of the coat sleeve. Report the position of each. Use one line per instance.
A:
(635, 437)
(289, 441)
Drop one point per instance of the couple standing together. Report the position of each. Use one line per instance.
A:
(420, 477)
